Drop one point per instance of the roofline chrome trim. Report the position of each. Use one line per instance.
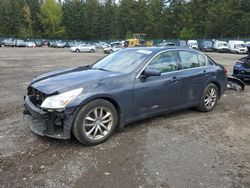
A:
(138, 75)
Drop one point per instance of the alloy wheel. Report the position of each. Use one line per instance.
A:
(210, 98)
(98, 123)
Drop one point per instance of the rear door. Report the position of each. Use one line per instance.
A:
(195, 75)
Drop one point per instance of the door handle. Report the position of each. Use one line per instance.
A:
(205, 73)
(174, 79)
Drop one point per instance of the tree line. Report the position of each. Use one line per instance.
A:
(109, 19)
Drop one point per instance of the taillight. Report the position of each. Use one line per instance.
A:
(225, 71)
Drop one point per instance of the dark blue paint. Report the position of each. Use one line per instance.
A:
(242, 66)
(137, 98)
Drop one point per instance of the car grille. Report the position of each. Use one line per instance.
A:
(36, 97)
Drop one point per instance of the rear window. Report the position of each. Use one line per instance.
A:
(202, 60)
(192, 59)
(189, 59)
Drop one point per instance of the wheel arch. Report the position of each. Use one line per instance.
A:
(218, 86)
(109, 99)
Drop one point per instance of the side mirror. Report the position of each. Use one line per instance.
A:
(151, 72)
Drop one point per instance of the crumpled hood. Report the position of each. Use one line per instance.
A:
(62, 80)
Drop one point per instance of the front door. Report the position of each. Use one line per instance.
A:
(157, 93)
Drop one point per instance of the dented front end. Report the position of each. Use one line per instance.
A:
(51, 123)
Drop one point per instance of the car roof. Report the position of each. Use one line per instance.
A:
(157, 49)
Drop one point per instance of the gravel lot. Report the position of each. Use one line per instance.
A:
(183, 149)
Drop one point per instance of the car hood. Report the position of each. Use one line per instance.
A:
(66, 79)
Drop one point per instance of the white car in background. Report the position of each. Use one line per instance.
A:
(83, 48)
(192, 44)
(237, 46)
(31, 44)
(220, 46)
(113, 47)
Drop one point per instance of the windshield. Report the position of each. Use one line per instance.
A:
(193, 44)
(114, 44)
(222, 44)
(240, 46)
(123, 61)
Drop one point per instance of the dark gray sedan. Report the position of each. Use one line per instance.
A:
(125, 86)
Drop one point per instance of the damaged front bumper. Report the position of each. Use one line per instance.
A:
(48, 123)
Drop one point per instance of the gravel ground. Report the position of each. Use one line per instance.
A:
(182, 149)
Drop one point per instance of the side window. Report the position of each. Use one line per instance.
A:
(202, 60)
(165, 62)
(189, 59)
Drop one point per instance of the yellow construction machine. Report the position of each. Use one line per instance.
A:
(139, 39)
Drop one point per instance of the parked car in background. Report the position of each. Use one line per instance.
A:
(220, 46)
(113, 47)
(9, 42)
(123, 87)
(69, 44)
(192, 44)
(20, 43)
(247, 43)
(102, 45)
(83, 48)
(60, 44)
(38, 43)
(167, 44)
(242, 66)
(237, 46)
(206, 46)
(52, 44)
(31, 44)
(181, 43)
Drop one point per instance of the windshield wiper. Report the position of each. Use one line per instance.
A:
(101, 69)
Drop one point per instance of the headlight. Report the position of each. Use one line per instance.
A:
(61, 100)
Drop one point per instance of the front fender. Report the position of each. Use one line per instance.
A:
(122, 108)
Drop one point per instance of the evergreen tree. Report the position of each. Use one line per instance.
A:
(11, 18)
(74, 19)
(35, 25)
(51, 18)
(98, 20)
(91, 14)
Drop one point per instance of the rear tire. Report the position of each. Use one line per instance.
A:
(95, 122)
(92, 50)
(209, 98)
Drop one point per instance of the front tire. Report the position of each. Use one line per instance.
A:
(209, 98)
(77, 50)
(95, 122)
